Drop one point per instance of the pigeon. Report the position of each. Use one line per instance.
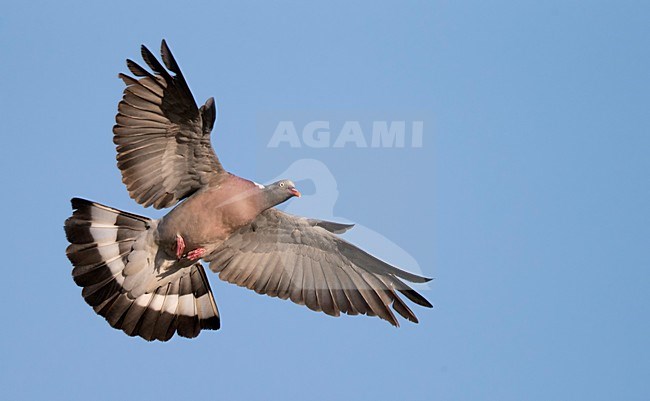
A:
(145, 276)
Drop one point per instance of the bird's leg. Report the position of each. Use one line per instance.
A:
(196, 254)
(180, 246)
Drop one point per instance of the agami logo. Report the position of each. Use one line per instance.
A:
(321, 134)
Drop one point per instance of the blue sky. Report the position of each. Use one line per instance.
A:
(528, 200)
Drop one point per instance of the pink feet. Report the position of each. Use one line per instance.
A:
(196, 254)
(180, 246)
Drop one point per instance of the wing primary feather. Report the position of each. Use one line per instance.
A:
(381, 294)
(154, 64)
(136, 69)
(168, 57)
(170, 62)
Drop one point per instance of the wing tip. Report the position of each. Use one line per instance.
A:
(168, 58)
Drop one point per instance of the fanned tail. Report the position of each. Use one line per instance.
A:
(114, 262)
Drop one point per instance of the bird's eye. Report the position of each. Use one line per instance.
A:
(281, 184)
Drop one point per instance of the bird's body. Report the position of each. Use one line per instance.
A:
(144, 275)
(211, 215)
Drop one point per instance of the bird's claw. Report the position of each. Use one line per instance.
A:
(196, 254)
(180, 247)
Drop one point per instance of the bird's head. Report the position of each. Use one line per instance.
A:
(280, 191)
(286, 187)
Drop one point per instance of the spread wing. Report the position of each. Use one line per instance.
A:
(162, 137)
(295, 258)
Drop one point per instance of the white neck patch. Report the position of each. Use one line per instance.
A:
(260, 186)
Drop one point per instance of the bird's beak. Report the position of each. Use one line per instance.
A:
(294, 192)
